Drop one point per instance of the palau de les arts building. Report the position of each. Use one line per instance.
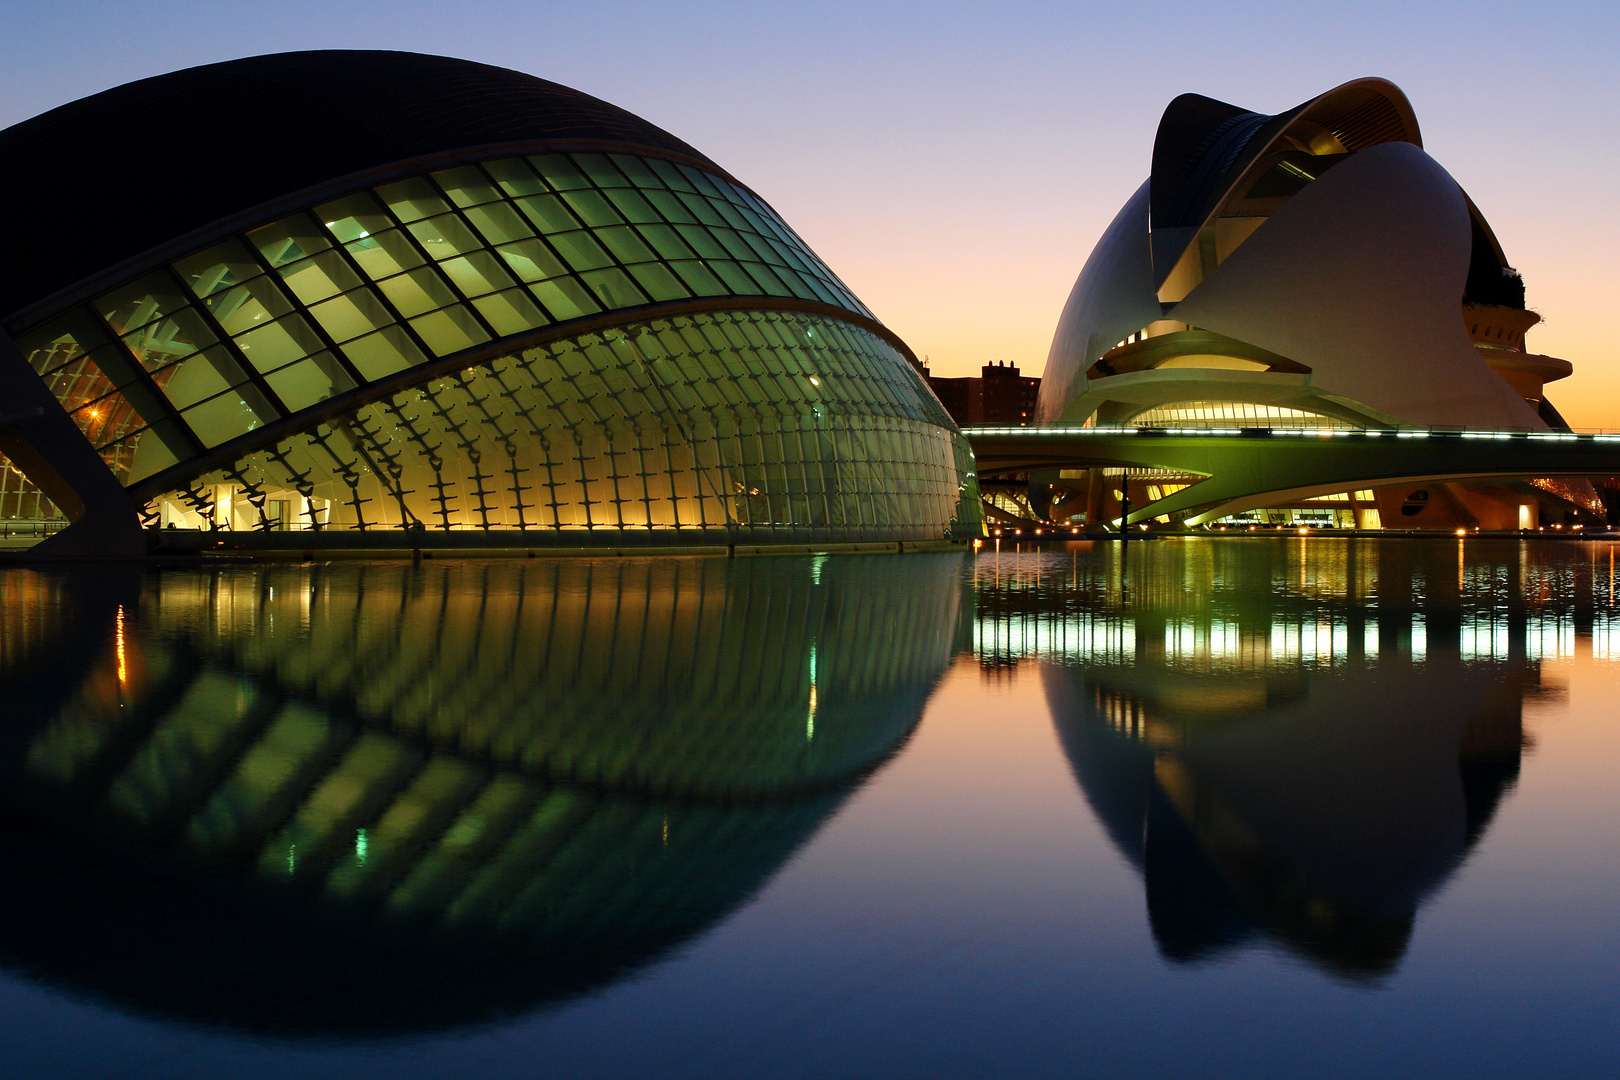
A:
(406, 300)
(1312, 269)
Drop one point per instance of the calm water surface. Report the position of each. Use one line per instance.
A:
(1236, 807)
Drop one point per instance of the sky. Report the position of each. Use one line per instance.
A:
(954, 163)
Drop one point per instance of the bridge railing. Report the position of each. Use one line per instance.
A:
(1434, 431)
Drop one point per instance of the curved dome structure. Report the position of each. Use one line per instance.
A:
(1312, 268)
(377, 800)
(422, 295)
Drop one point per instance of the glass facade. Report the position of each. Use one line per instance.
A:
(750, 421)
(744, 421)
(1203, 414)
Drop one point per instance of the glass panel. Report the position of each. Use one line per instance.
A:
(218, 268)
(151, 452)
(768, 281)
(658, 282)
(600, 170)
(149, 299)
(52, 346)
(580, 250)
(445, 236)
(448, 331)
(548, 213)
(510, 312)
(670, 174)
(350, 315)
(481, 272)
(310, 382)
(383, 353)
(499, 223)
(734, 277)
(700, 279)
(592, 208)
(107, 420)
(353, 217)
(221, 419)
(467, 186)
(636, 169)
(385, 254)
(702, 241)
(565, 298)
(413, 199)
(667, 241)
(670, 206)
(246, 306)
(514, 176)
(278, 344)
(289, 240)
(559, 172)
(626, 246)
(167, 340)
(530, 260)
(701, 181)
(613, 288)
(77, 382)
(420, 290)
(315, 279)
(199, 378)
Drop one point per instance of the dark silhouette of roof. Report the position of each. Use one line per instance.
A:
(104, 179)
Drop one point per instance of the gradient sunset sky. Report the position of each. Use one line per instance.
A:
(955, 163)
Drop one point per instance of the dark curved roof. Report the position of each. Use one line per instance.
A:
(1204, 146)
(106, 178)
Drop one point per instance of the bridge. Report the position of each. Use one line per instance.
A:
(1249, 468)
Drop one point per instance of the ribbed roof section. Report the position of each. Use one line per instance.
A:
(105, 178)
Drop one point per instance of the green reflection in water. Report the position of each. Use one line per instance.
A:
(373, 799)
(1295, 742)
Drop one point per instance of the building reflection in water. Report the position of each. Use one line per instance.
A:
(367, 800)
(1295, 742)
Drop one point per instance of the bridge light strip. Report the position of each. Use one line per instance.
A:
(1298, 433)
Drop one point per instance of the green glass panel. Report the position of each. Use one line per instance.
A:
(600, 170)
(385, 254)
(221, 419)
(220, 267)
(701, 182)
(350, 315)
(55, 344)
(613, 288)
(637, 170)
(146, 301)
(243, 307)
(559, 172)
(666, 241)
(703, 211)
(499, 223)
(736, 247)
(167, 340)
(565, 298)
(107, 420)
(625, 245)
(702, 242)
(482, 272)
(514, 176)
(592, 208)
(731, 215)
(318, 277)
(287, 339)
(289, 240)
(531, 260)
(449, 331)
(151, 453)
(510, 312)
(310, 382)
(413, 199)
(670, 174)
(383, 353)
(699, 278)
(736, 279)
(658, 282)
(353, 217)
(467, 186)
(78, 382)
(548, 213)
(419, 290)
(445, 236)
(199, 378)
(580, 250)
(670, 207)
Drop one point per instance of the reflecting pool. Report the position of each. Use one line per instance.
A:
(1213, 807)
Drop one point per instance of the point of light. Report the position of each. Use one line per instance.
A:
(361, 845)
(1462, 532)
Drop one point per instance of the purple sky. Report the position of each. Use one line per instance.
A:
(954, 163)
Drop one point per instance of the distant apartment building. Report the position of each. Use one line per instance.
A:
(1000, 395)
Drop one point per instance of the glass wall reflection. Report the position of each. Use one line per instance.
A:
(365, 800)
(1294, 743)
